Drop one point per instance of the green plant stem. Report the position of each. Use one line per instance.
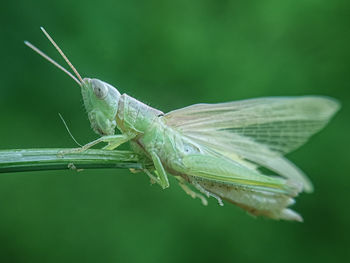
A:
(52, 159)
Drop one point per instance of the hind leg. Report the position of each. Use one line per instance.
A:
(183, 184)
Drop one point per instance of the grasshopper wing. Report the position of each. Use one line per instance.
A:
(258, 130)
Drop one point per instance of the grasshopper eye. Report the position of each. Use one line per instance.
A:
(100, 91)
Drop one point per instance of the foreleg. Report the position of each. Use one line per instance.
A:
(113, 142)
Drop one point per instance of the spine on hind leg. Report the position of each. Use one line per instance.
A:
(255, 202)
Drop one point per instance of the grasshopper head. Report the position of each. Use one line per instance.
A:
(101, 103)
(100, 98)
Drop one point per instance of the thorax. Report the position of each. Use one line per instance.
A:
(153, 133)
(168, 143)
(135, 116)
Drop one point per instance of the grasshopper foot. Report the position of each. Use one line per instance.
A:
(190, 192)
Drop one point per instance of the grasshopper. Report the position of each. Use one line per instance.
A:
(212, 149)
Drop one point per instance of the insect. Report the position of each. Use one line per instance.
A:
(214, 150)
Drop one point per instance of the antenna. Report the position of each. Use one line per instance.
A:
(62, 54)
(52, 61)
(71, 135)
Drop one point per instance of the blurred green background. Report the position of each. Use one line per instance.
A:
(169, 54)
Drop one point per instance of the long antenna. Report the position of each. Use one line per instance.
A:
(52, 61)
(62, 54)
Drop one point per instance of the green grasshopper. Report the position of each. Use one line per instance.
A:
(218, 149)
